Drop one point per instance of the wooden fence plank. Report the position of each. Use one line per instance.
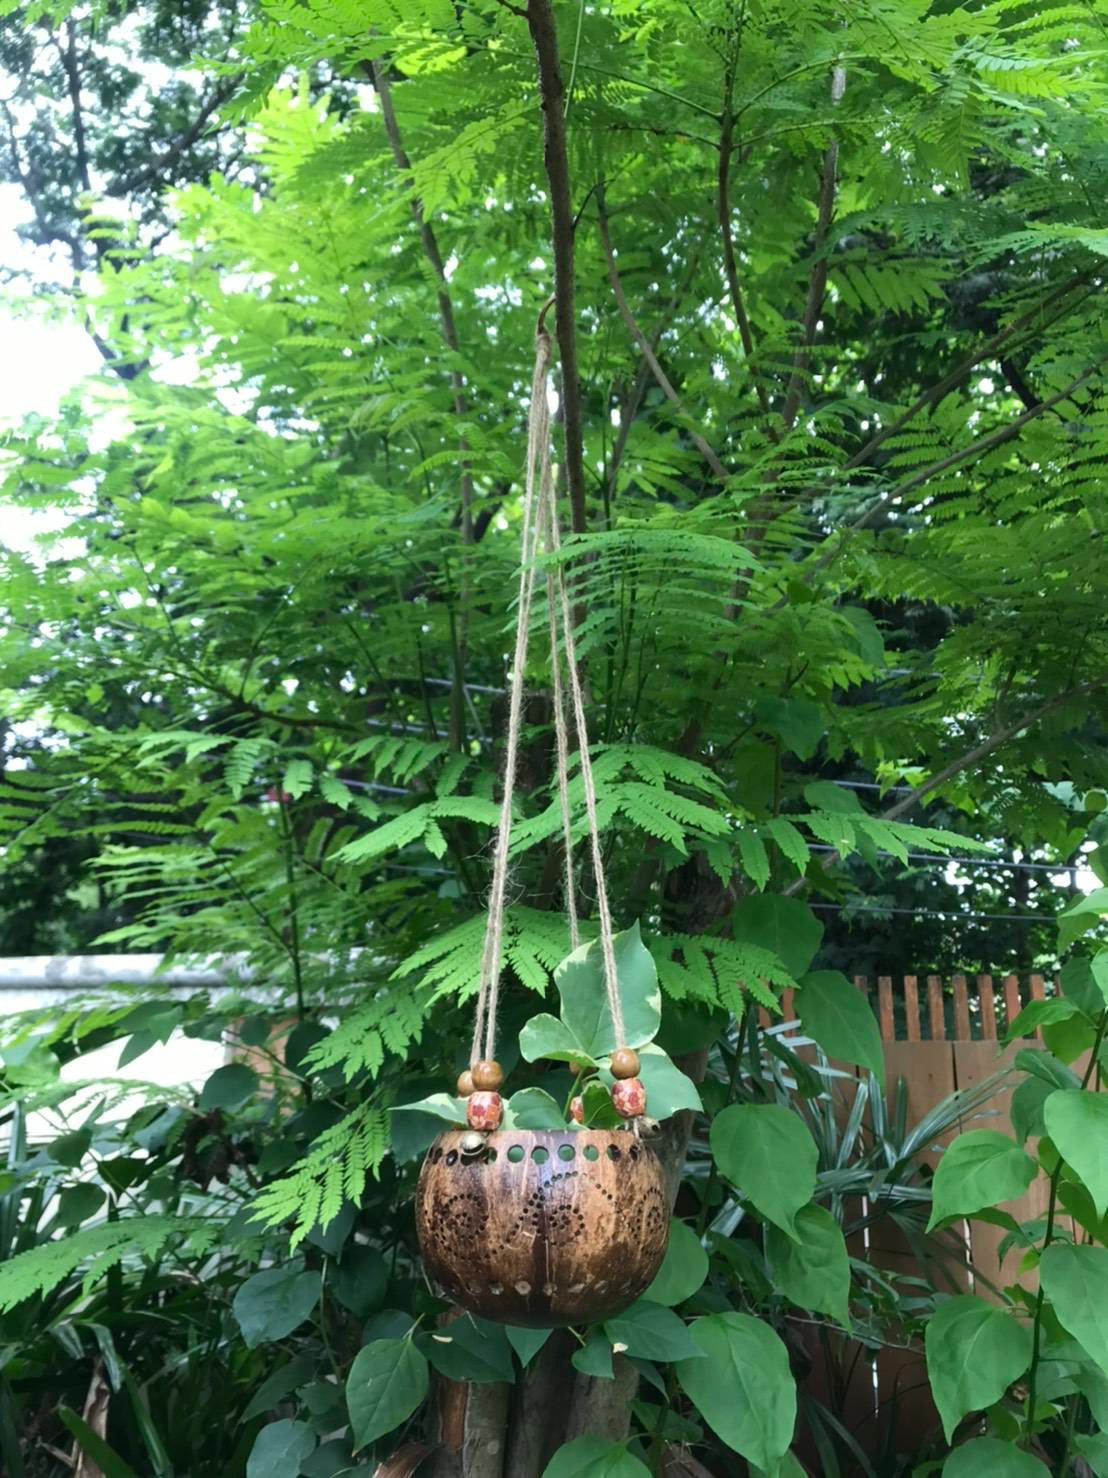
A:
(911, 1008)
(936, 1009)
(962, 1031)
(988, 1007)
(903, 1393)
(1012, 1002)
(886, 1017)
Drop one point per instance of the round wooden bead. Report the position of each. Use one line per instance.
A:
(466, 1084)
(625, 1063)
(629, 1097)
(483, 1110)
(577, 1110)
(487, 1075)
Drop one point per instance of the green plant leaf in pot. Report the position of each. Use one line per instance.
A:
(584, 997)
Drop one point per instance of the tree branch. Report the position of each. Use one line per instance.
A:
(544, 36)
(648, 354)
(817, 283)
(730, 266)
(160, 166)
(431, 251)
(68, 54)
(958, 373)
(983, 444)
(630, 407)
(987, 746)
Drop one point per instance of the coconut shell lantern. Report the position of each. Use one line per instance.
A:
(541, 1227)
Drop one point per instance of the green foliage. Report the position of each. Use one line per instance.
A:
(975, 1351)
(255, 696)
(981, 1169)
(765, 1150)
(387, 1381)
(741, 1385)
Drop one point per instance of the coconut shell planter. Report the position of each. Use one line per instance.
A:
(541, 1227)
(535, 1214)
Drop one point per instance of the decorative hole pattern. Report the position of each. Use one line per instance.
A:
(542, 1227)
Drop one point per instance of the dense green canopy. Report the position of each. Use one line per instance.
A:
(831, 438)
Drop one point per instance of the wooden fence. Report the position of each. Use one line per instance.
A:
(939, 1035)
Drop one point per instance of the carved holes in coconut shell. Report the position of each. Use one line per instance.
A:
(545, 1227)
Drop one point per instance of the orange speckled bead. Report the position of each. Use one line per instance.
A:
(625, 1063)
(483, 1110)
(629, 1097)
(487, 1075)
(466, 1085)
(577, 1110)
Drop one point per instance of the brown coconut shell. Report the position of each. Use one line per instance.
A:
(542, 1227)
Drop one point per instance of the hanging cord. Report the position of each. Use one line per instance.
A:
(573, 673)
(561, 735)
(540, 525)
(538, 451)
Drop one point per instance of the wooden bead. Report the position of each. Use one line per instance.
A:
(625, 1063)
(466, 1084)
(487, 1075)
(483, 1110)
(577, 1110)
(629, 1097)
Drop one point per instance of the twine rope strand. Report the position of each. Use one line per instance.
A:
(540, 526)
(538, 444)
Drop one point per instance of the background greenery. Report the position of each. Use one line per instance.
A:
(837, 508)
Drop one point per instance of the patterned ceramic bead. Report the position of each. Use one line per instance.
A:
(483, 1110)
(629, 1097)
(577, 1110)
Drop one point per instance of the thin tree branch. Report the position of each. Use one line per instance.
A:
(68, 55)
(817, 283)
(970, 758)
(648, 354)
(986, 747)
(160, 166)
(429, 242)
(730, 266)
(983, 444)
(963, 368)
(544, 37)
(631, 405)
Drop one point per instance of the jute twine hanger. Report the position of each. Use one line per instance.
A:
(540, 529)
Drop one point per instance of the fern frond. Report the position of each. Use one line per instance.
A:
(335, 1169)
